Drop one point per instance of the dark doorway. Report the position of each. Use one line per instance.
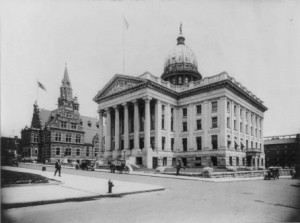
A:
(154, 162)
(184, 162)
(139, 161)
(249, 159)
(214, 160)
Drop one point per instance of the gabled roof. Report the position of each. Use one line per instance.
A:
(119, 83)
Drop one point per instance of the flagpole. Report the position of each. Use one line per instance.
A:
(123, 48)
(37, 93)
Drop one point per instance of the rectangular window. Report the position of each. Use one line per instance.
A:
(131, 144)
(57, 137)
(35, 137)
(251, 130)
(199, 143)
(73, 126)
(172, 119)
(163, 117)
(172, 144)
(228, 107)
(184, 144)
(214, 141)
(228, 122)
(141, 143)
(251, 144)
(184, 126)
(243, 161)
(87, 151)
(78, 152)
(57, 151)
(199, 124)
(234, 125)
(241, 113)
(214, 106)
(235, 110)
(247, 144)
(214, 122)
(184, 112)
(241, 127)
(78, 138)
(68, 137)
(230, 160)
(63, 125)
(163, 142)
(237, 161)
(199, 109)
(152, 142)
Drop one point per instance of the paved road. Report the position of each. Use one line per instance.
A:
(183, 201)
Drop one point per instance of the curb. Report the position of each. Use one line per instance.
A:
(79, 199)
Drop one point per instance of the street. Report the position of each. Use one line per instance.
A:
(183, 201)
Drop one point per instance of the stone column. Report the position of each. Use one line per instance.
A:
(168, 127)
(222, 118)
(100, 111)
(126, 129)
(136, 125)
(147, 146)
(108, 134)
(158, 120)
(116, 152)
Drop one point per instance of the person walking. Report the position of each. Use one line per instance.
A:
(57, 167)
(178, 167)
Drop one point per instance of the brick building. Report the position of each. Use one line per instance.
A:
(63, 133)
(283, 150)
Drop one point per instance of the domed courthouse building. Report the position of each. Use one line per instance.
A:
(202, 121)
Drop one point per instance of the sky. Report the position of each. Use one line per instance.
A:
(256, 42)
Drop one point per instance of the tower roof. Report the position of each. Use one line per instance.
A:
(66, 80)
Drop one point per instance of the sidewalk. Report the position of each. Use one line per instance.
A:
(66, 188)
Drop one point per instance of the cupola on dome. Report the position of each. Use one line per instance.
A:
(181, 64)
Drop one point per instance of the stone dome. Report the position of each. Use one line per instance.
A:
(181, 64)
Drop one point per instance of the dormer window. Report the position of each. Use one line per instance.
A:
(63, 124)
(89, 123)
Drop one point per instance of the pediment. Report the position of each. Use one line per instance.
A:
(118, 84)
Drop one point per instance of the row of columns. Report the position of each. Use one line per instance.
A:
(108, 137)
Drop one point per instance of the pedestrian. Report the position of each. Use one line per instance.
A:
(178, 167)
(57, 167)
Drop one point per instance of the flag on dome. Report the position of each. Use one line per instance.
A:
(41, 86)
(126, 23)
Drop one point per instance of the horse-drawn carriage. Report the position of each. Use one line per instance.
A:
(119, 166)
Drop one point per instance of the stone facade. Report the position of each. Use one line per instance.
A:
(152, 121)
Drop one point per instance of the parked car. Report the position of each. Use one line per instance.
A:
(87, 165)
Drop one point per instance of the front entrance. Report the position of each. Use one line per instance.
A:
(184, 161)
(154, 162)
(249, 160)
(214, 160)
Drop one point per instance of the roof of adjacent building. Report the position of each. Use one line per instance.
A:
(282, 139)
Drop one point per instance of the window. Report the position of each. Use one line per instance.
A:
(251, 144)
(214, 141)
(228, 107)
(163, 117)
(230, 160)
(68, 137)
(247, 144)
(68, 152)
(184, 112)
(228, 141)
(179, 80)
(262, 162)
(199, 143)
(241, 113)
(241, 127)
(214, 121)
(163, 141)
(141, 143)
(63, 124)
(172, 144)
(87, 152)
(237, 161)
(73, 126)
(256, 145)
(184, 144)
(57, 151)
(243, 161)
(57, 137)
(228, 122)
(78, 138)
(236, 145)
(214, 106)
(199, 109)
(247, 130)
(184, 126)
(235, 110)
(89, 123)
(152, 142)
(131, 144)
(199, 124)
(35, 151)
(234, 125)
(172, 119)
(35, 137)
(77, 152)
(251, 130)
